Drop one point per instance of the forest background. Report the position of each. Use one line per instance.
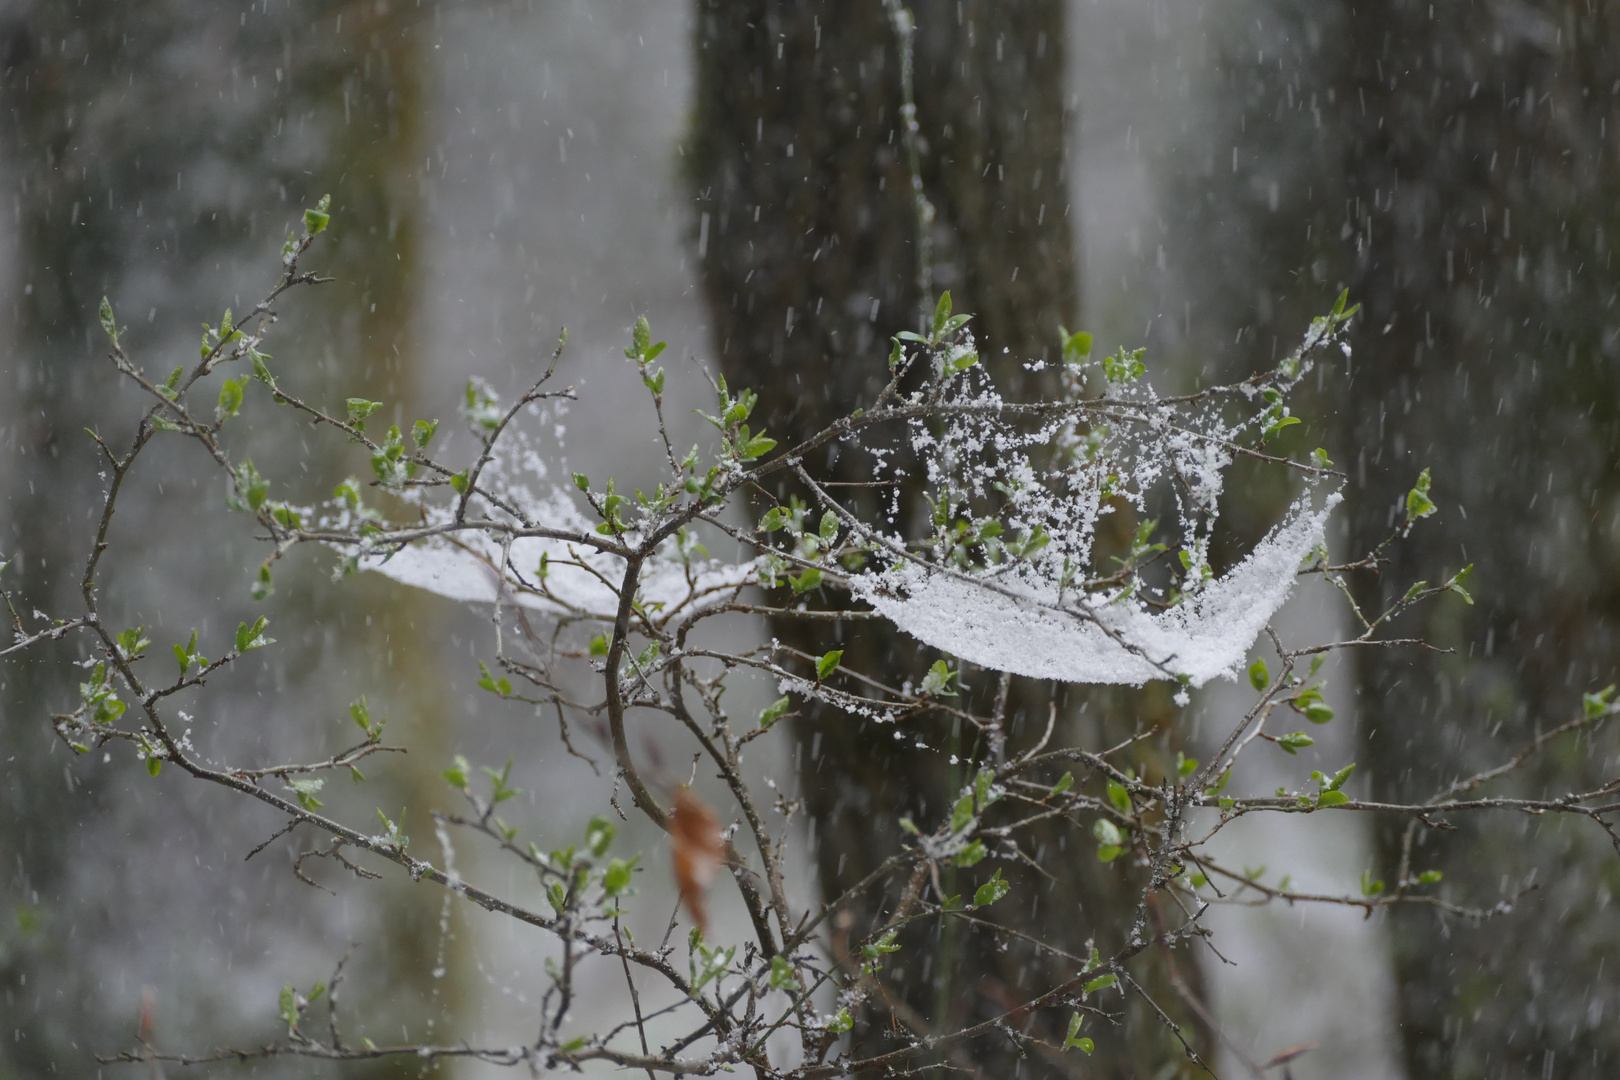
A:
(502, 169)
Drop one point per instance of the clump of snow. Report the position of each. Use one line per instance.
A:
(559, 574)
(463, 567)
(1027, 627)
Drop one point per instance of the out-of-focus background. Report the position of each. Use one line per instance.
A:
(502, 169)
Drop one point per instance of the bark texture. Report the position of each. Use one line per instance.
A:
(1458, 167)
(806, 230)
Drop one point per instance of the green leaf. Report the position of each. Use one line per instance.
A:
(1594, 705)
(1065, 782)
(1418, 503)
(316, 220)
(1332, 798)
(1370, 886)
(1278, 424)
(882, 946)
(640, 338)
(758, 446)
(1295, 741)
(288, 1005)
(1455, 584)
(1185, 766)
(599, 835)
(599, 645)
(250, 489)
(782, 974)
(1429, 877)
(938, 680)
(360, 713)
(132, 642)
(422, 433)
(991, 891)
(962, 814)
(828, 663)
(773, 712)
(456, 774)
(186, 655)
(260, 371)
(1119, 797)
(1073, 1039)
(108, 323)
(841, 1022)
(1124, 367)
(1259, 676)
(154, 764)
(1341, 776)
(1320, 459)
(252, 637)
(501, 686)
(1107, 833)
(647, 657)
(971, 855)
(459, 482)
(617, 878)
(1076, 346)
(1101, 982)
(263, 583)
(1318, 712)
(359, 409)
(942, 312)
(229, 399)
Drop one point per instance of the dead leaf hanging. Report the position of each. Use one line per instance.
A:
(695, 833)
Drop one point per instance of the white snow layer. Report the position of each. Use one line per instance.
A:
(1023, 627)
(464, 568)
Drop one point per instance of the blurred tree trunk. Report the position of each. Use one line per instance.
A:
(1489, 331)
(807, 237)
(148, 146)
(1458, 167)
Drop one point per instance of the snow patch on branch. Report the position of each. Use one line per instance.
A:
(1027, 627)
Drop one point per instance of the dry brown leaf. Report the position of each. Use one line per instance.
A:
(695, 833)
(1289, 1055)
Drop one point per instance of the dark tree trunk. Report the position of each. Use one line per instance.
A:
(1492, 274)
(1458, 167)
(808, 240)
